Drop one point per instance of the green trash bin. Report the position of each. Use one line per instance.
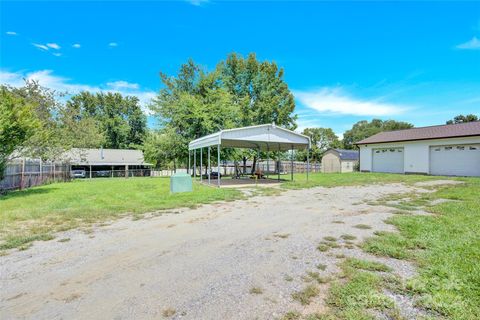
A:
(181, 182)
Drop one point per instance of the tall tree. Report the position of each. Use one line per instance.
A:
(364, 129)
(461, 119)
(45, 143)
(321, 140)
(18, 123)
(193, 104)
(259, 92)
(161, 148)
(119, 120)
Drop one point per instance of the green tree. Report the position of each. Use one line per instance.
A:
(364, 129)
(321, 140)
(259, 92)
(118, 121)
(462, 119)
(161, 148)
(193, 104)
(45, 143)
(18, 123)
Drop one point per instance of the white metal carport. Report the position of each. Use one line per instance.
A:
(266, 137)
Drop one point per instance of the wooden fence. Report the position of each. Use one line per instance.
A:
(26, 173)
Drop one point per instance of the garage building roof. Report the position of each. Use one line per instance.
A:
(466, 129)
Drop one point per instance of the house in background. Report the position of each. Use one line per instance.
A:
(339, 160)
(451, 150)
(108, 162)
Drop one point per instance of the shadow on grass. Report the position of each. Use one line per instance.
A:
(26, 192)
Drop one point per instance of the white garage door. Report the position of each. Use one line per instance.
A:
(455, 160)
(388, 160)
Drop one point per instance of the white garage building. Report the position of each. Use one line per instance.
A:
(451, 150)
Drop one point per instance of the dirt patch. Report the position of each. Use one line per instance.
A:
(436, 183)
(201, 263)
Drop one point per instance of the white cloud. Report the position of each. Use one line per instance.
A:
(336, 101)
(40, 46)
(57, 54)
(197, 2)
(11, 33)
(47, 79)
(473, 44)
(76, 45)
(53, 46)
(117, 85)
(113, 44)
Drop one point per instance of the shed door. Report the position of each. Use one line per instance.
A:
(455, 160)
(388, 160)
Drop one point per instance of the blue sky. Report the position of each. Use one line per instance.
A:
(344, 61)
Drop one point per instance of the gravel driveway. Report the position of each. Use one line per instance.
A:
(192, 263)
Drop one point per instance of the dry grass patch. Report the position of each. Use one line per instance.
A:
(169, 312)
(305, 296)
(362, 226)
(256, 290)
(348, 237)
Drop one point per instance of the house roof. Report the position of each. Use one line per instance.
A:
(347, 154)
(263, 137)
(466, 129)
(111, 157)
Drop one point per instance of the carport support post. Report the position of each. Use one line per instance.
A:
(194, 163)
(308, 161)
(201, 164)
(278, 164)
(209, 170)
(218, 165)
(291, 164)
(90, 172)
(268, 163)
(189, 162)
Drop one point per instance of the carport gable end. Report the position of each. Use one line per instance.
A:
(266, 137)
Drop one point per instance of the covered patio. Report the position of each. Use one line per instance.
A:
(267, 138)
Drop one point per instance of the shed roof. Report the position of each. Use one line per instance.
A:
(111, 157)
(347, 154)
(466, 129)
(264, 137)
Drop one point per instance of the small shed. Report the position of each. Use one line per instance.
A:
(339, 160)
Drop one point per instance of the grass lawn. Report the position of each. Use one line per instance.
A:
(352, 179)
(446, 248)
(35, 213)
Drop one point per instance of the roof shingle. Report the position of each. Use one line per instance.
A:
(426, 133)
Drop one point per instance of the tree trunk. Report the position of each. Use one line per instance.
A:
(254, 164)
(244, 165)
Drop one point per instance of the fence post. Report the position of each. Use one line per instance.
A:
(22, 174)
(41, 172)
(53, 171)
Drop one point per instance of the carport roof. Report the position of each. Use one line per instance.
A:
(263, 137)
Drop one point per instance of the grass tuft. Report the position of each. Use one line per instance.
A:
(367, 265)
(256, 290)
(305, 296)
(291, 315)
(362, 226)
(348, 237)
(330, 238)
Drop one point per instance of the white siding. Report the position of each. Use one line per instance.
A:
(416, 153)
(348, 166)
